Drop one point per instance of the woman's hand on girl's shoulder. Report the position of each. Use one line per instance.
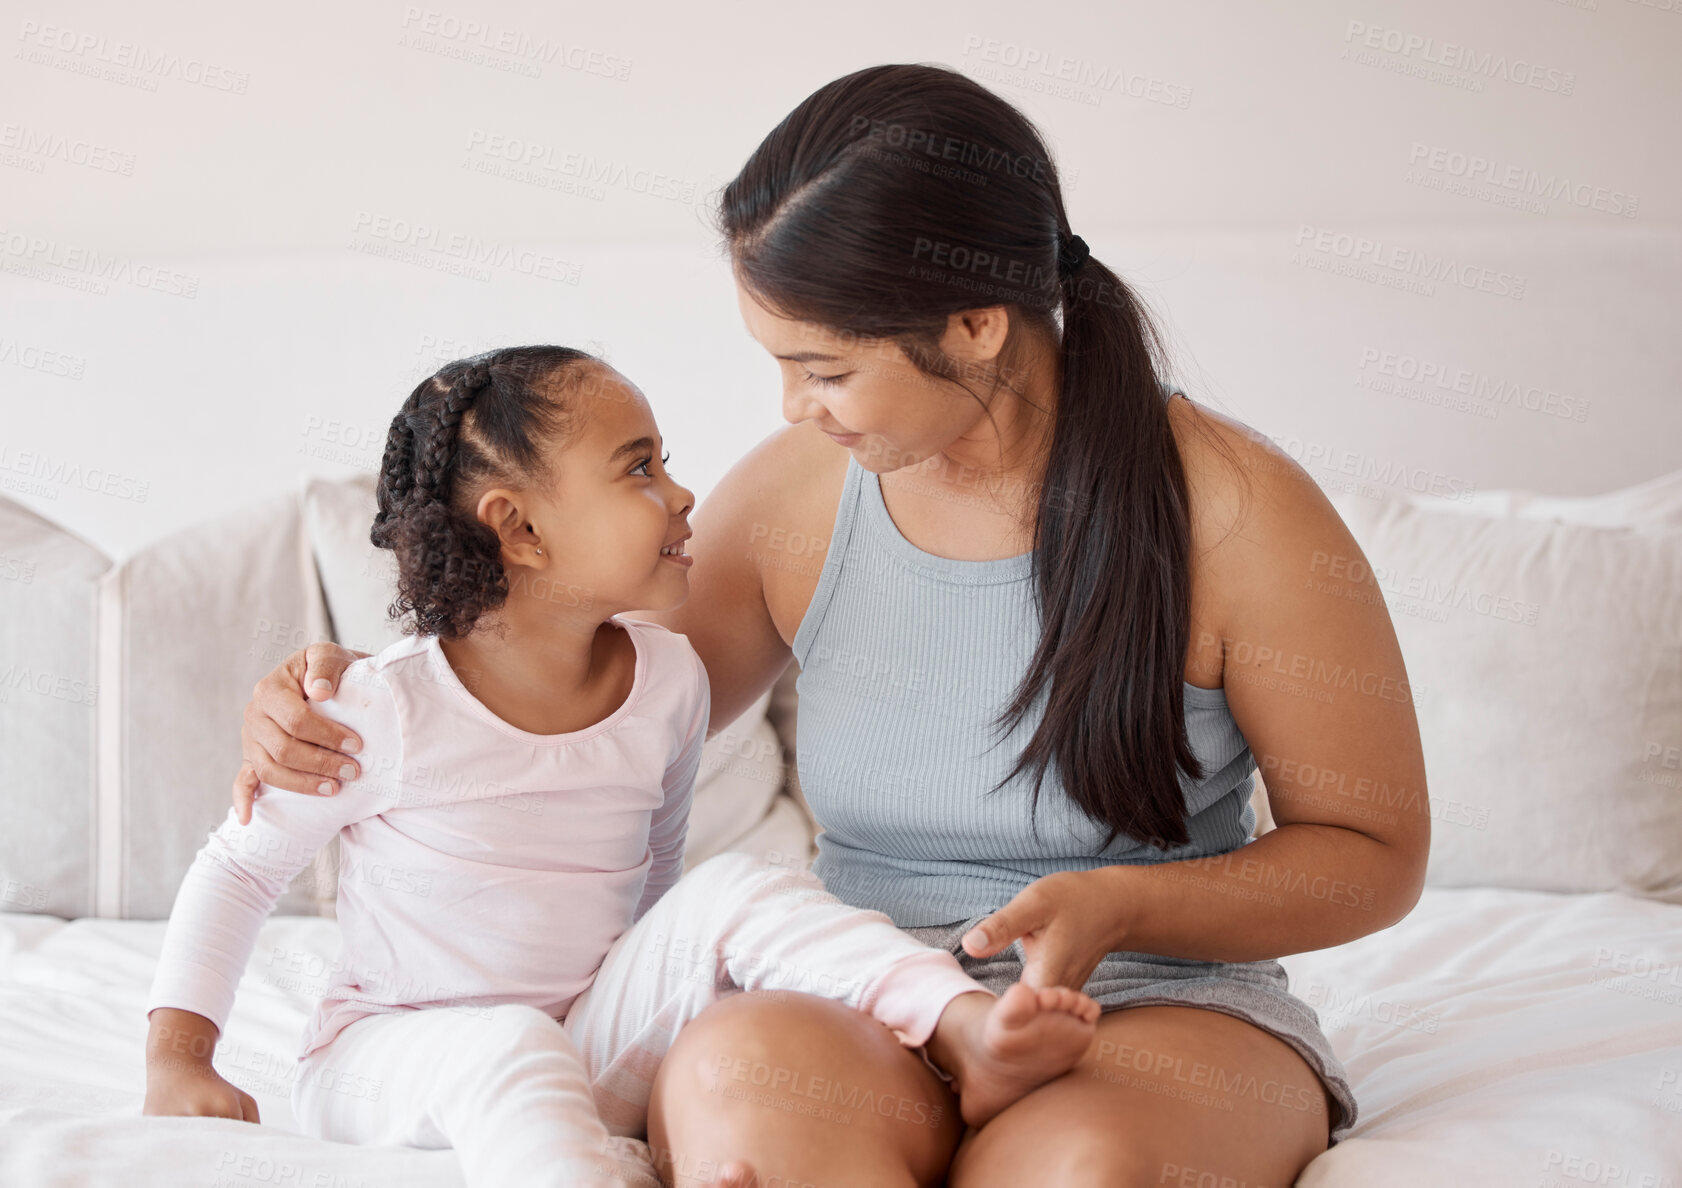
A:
(285, 742)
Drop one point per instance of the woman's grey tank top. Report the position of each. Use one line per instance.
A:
(905, 659)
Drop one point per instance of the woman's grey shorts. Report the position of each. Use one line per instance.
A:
(1256, 991)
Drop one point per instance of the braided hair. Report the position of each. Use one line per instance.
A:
(490, 420)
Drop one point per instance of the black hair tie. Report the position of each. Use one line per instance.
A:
(1071, 254)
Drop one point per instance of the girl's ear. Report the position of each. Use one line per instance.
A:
(499, 510)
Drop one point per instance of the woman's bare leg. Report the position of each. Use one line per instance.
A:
(1163, 1093)
(803, 1090)
(1166, 1095)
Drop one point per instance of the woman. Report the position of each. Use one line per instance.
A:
(1049, 618)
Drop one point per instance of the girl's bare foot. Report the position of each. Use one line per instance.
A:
(998, 1049)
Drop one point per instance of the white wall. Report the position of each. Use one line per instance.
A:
(256, 155)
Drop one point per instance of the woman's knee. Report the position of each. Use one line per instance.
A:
(745, 1035)
(756, 1071)
(1131, 1113)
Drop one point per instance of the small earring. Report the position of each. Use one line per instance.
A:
(540, 552)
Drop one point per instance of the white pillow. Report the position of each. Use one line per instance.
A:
(50, 701)
(358, 580)
(188, 625)
(1655, 503)
(1548, 656)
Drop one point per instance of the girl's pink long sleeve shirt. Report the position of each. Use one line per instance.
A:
(479, 864)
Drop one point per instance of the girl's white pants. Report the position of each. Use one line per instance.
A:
(527, 1100)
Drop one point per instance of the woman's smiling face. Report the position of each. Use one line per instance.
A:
(867, 394)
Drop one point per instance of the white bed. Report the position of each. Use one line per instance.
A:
(1522, 1026)
(1494, 1038)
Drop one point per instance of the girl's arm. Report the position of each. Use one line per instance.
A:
(670, 826)
(229, 890)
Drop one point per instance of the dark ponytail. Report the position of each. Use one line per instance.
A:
(492, 420)
(898, 195)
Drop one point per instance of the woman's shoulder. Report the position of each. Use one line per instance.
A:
(791, 479)
(1257, 517)
(772, 515)
(1238, 478)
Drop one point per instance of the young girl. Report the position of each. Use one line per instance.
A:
(516, 957)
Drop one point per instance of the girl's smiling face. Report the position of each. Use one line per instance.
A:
(612, 523)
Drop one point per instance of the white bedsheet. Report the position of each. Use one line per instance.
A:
(1500, 1038)
(1494, 1038)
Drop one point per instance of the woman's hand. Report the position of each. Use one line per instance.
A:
(286, 744)
(1067, 922)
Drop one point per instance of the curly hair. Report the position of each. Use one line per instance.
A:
(486, 421)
